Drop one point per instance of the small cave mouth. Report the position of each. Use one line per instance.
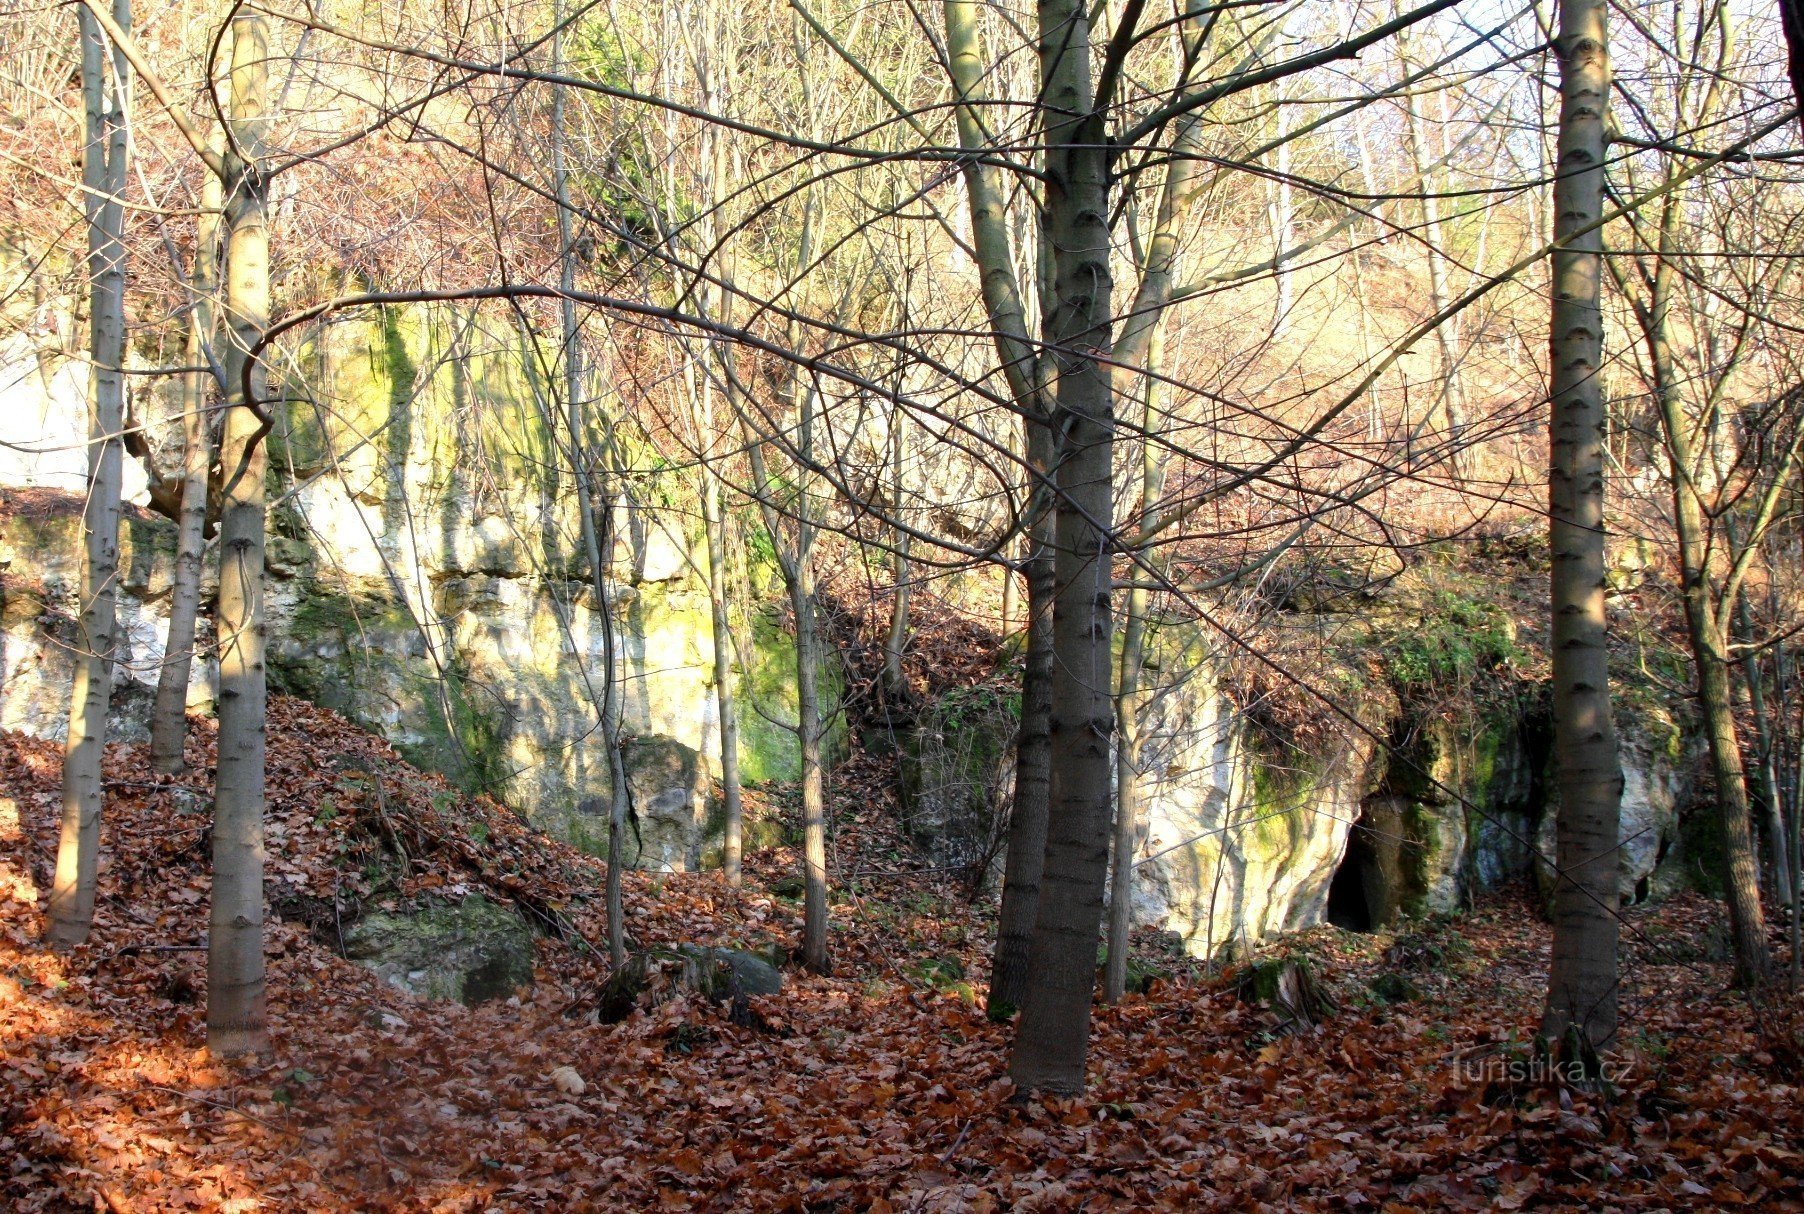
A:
(1349, 907)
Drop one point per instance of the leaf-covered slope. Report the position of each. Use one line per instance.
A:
(880, 1088)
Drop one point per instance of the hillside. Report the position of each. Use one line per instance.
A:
(881, 1088)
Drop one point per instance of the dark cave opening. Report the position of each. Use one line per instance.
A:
(1348, 905)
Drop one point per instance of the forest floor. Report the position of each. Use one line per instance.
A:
(880, 1088)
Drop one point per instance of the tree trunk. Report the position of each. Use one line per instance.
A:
(1434, 254)
(103, 173)
(236, 1011)
(169, 716)
(1709, 651)
(1052, 1043)
(595, 509)
(715, 70)
(714, 521)
(1706, 616)
(1026, 855)
(1582, 980)
(1022, 370)
(1129, 697)
(896, 643)
(814, 802)
(1772, 816)
(1741, 878)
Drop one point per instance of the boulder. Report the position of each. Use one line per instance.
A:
(670, 804)
(745, 973)
(470, 951)
(653, 976)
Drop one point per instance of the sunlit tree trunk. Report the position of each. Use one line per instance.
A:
(236, 1010)
(1707, 630)
(1007, 318)
(1771, 813)
(1130, 695)
(714, 522)
(1691, 448)
(595, 509)
(796, 559)
(1582, 980)
(169, 715)
(794, 544)
(1052, 1043)
(103, 173)
(715, 70)
(1435, 256)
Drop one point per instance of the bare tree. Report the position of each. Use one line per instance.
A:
(237, 1020)
(105, 105)
(1580, 1013)
(1716, 550)
(169, 714)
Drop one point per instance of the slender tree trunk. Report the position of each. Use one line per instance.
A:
(896, 643)
(1281, 213)
(797, 563)
(1706, 621)
(714, 521)
(1026, 856)
(1130, 698)
(814, 801)
(169, 715)
(1434, 255)
(595, 507)
(715, 72)
(1710, 656)
(1582, 980)
(796, 559)
(1771, 814)
(1022, 370)
(103, 172)
(1747, 923)
(1011, 596)
(1052, 1043)
(236, 1010)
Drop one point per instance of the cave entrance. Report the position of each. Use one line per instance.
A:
(1364, 893)
(1347, 905)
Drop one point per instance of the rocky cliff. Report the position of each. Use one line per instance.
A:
(426, 580)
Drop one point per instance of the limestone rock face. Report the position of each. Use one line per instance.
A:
(1454, 813)
(1239, 843)
(41, 559)
(1658, 760)
(469, 951)
(426, 580)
